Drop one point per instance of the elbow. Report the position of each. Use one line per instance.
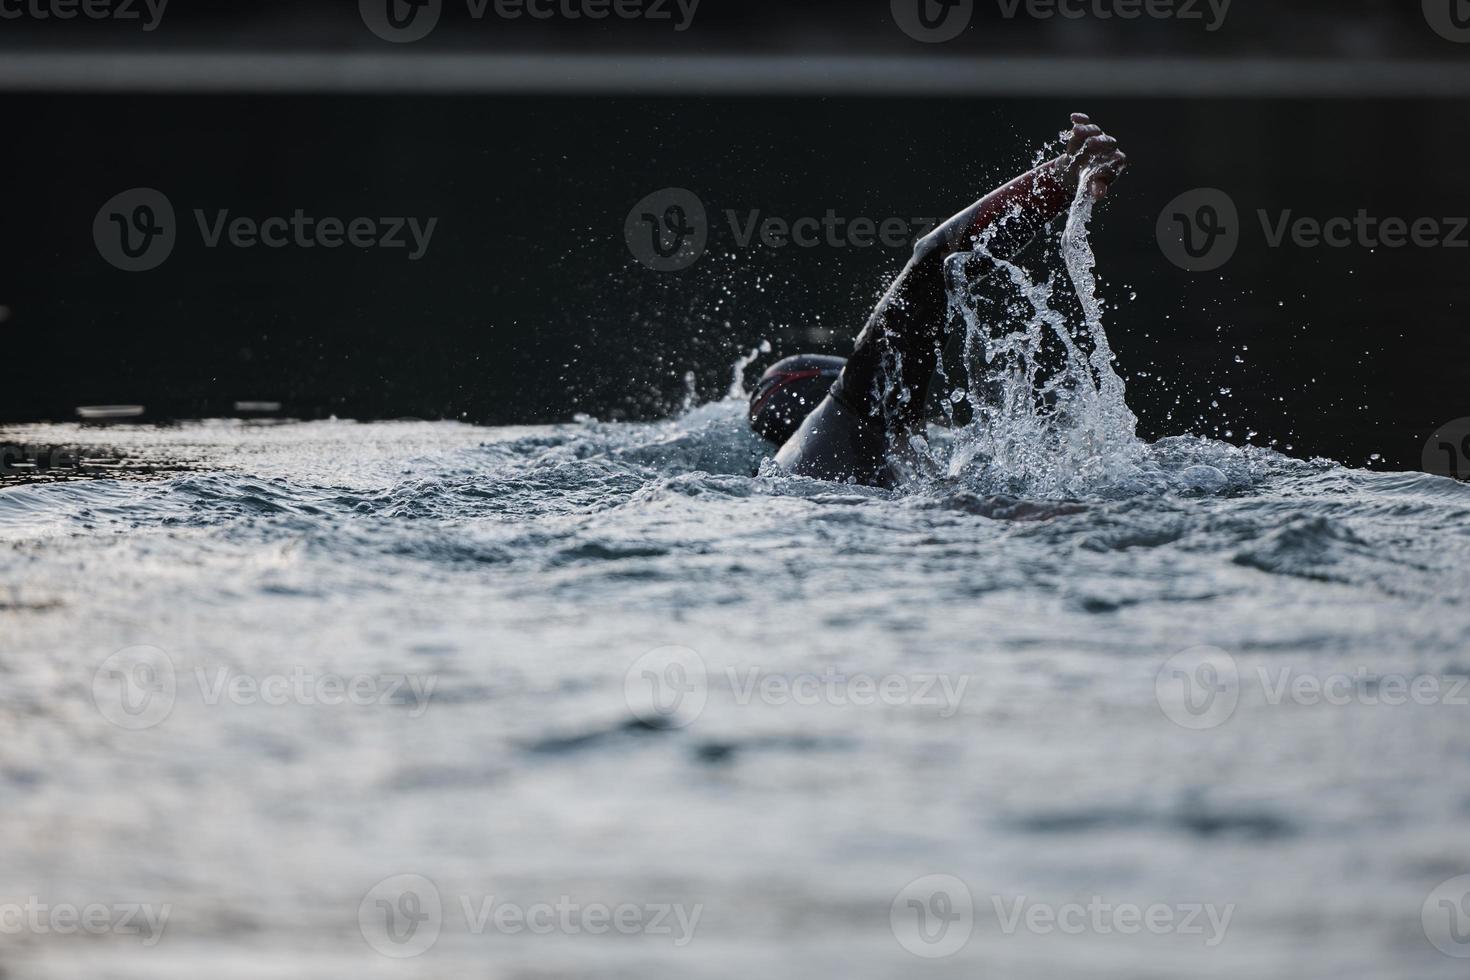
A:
(931, 248)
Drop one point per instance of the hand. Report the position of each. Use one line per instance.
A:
(1094, 153)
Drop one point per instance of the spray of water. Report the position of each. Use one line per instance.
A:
(737, 390)
(1048, 414)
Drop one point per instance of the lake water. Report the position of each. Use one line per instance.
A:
(618, 701)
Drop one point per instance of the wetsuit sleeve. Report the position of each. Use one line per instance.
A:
(880, 396)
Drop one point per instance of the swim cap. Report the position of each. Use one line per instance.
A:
(788, 392)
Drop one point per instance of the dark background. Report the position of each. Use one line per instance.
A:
(529, 308)
(1309, 28)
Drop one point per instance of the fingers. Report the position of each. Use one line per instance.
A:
(1108, 167)
(1095, 152)
(1102, 171)
(1081, 133)
(1113, 163)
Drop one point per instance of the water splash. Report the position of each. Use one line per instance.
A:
(737, 390)
(1048, 413)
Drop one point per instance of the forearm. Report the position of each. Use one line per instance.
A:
(1017, 212)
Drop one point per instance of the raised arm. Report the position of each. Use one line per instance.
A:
(1014, 214)
(882, 389)
(1027, 204)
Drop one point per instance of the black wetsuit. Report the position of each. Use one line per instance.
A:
(882, 390)
(879, 398)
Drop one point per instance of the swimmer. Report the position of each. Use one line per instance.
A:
(867, 403)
